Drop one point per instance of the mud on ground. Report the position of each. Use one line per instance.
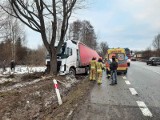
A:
(23, 99)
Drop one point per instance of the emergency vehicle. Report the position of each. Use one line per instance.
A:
(120, 55)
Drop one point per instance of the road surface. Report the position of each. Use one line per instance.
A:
(135, 97)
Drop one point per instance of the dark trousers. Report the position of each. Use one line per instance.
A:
(113, 76)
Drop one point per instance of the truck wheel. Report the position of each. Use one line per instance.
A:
(87, 70)
(125, 72)
(72, 71)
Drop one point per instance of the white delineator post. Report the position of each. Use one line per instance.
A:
(57, 92)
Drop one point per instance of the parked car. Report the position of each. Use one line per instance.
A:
(133, 59)
(153, 61)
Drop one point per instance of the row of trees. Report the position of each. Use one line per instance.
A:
(146, 54)
(22, 54)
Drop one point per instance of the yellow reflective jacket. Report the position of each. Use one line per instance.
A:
(99, 66)
(93, 64)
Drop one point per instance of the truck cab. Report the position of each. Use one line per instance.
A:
(67, 59)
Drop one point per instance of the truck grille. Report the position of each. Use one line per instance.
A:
(58, 65)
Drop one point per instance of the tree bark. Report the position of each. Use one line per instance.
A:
(53, 62)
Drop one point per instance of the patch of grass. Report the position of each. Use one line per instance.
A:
(32, 76)
(5, 94)
(11, 76)
(7, 83)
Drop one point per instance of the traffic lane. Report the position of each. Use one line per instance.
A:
(143, 65)
(110, 102)
(146, 83)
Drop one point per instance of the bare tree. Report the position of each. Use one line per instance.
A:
(88, 35)
(35, 13)
(147, 53)
(103, 48)
(21, 51)
(5, 51)
(10, 28)
(83, 31)
(75, 30)
(156, 44)
(36, 57)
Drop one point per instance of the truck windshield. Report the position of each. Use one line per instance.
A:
(62, 50)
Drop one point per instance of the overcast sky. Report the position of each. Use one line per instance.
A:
(121, 23)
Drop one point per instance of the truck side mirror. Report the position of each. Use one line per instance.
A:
(70, 52)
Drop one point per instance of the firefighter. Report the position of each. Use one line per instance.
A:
(93, 69)
(100, 68)
(107, 68)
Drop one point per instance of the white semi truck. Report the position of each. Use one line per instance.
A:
(74, 58)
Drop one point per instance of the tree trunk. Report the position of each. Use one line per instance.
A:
(53, 63)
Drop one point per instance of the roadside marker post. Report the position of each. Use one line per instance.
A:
(57, 92)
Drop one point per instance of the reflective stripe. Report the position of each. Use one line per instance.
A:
(92, 67)
(99, 70)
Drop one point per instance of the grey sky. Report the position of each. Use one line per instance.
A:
(122, 23)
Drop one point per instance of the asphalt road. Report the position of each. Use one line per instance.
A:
(135, 97)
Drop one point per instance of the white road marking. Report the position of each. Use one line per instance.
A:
(144, 109)
(127, 82)
(124, 77)
(133, 91)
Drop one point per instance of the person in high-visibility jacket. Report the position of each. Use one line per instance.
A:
(93, 69)
(100, 68)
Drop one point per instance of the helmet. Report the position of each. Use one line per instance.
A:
(100, 58)
(94, 58)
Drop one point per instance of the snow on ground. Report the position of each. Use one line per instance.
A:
(67, 83)
(18, 70)
(19, 85)
(23, 69)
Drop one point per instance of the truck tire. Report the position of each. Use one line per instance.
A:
(152, 64)
(87, 70)
(125, 72)
(72, 71)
